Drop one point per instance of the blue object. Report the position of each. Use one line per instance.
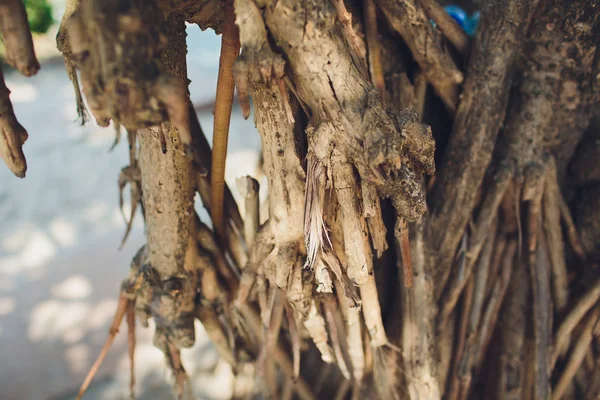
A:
(468, 24)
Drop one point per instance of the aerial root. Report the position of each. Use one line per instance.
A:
(132, 175)
(125, 306)
(405, 252)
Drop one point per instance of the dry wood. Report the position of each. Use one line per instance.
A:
(295, 335)
(513, 325)
(405, 252)
(457, 383)
(552, 230)
(354, 227)
(418, 326)
(572, 234)
(492, 60)
(355, 344)
(344, 105)
(351, 37)
(446, 347)
(131, 348)
(122, 308)
(494, 303)
(248, 188)
(133, 87)
(18, 43)
(315, 325)
(408, 18)
(230, 48)
(372, 212)
(500, 247)
(373, 47)
(329, 305)
(580, 349)
(542, 299)
(446, 24)
(12, 134)
(572, 319)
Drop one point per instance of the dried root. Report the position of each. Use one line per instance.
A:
(117, 85)
(409, 20)
(230, 48)
(12, 134)
(16, 37)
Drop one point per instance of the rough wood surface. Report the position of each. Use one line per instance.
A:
(489, 75)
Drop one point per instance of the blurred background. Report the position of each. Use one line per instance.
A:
(60, 230)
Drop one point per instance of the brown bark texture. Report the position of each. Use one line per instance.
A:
(433, 197)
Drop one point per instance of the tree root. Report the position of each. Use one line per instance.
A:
(12, 134)
(409, 20)
(124, 307)
(120, 87)
(16, 36)
(495, 51)
(581, 348)
(230, 48)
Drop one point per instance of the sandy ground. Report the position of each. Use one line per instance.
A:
(60, 229)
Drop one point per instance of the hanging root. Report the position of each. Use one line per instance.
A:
(540, 277)
(132, 175)
(446, 24)
(418, 325)
(249, 188)
(18, 43)
(572, 234)
(174, 361)
(12, 134)
(330, 306)
(63, 45)
(257, 63)
(315, 325)
(315, 231)
(405, 252)
(409, 20)
(572, 319)
(495, 51)
(553, 233)
(125, 306)
(131, 348)
(373, 48)
(82, 113)
(351, 37)
(295, 335)
(512, 367)
(117, 84)
(580, 349)
(230, 48)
